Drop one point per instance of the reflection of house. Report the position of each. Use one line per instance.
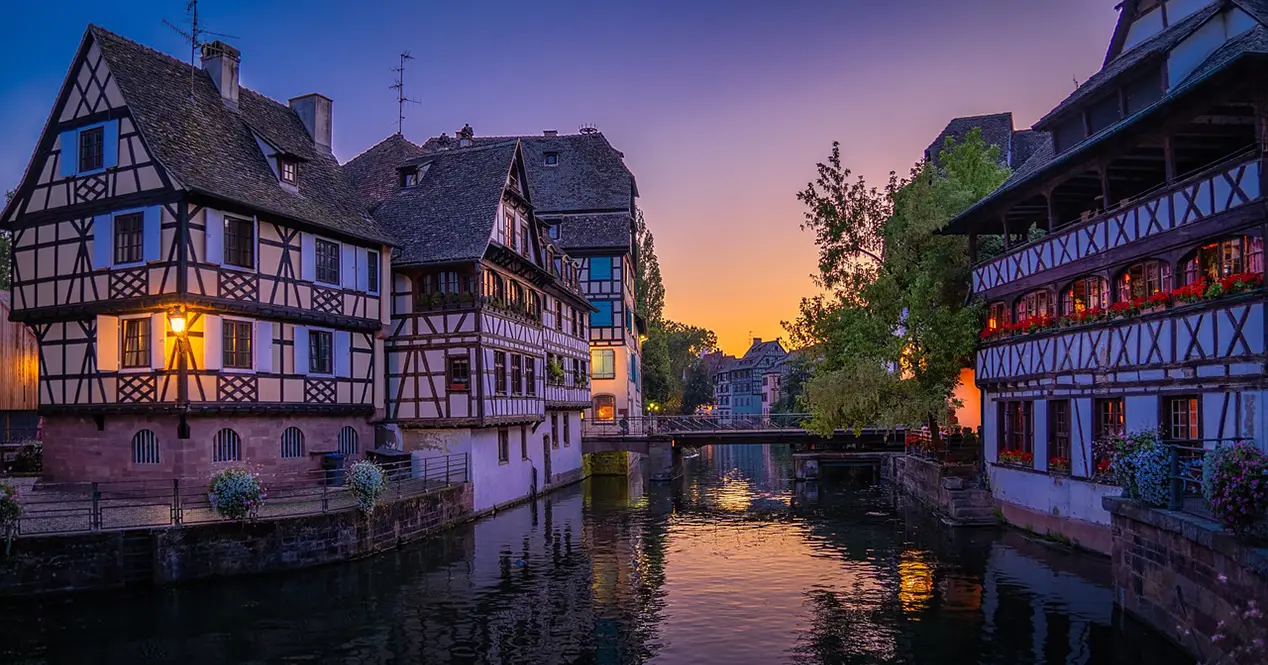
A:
(1148, 196)
(738, 382)
(584, 194)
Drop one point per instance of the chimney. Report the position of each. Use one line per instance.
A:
(550, 132)
(314, 111)
(465, 135)
(757, 340)
(220, 61)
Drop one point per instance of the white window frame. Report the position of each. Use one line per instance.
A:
(378, 267)
(114, 230)
(223, 365)
(149, 344)
(311, 371)
(338, 253)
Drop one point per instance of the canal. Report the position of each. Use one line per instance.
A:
(732, 563)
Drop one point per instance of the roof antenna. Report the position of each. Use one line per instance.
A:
(194, 37)
(399, 87)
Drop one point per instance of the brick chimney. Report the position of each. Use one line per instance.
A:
(221, 62)
(314, 110)
(465, 135)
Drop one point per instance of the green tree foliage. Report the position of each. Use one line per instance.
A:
(6, 249)
(649, 289)
(894, 331)
(698, 389)
(793, 387)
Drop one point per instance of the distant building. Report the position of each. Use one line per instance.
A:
(737, 382)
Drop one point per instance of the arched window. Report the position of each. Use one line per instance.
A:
(1141, 280)
(347, 441)
(292, 443)
(1222, 258)
(996, 316)
(1084, 293)
(1036, 304)
(604, 407)
(227, 446)
(145, 448)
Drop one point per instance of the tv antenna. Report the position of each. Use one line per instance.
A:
(399, 87)
(194, 37)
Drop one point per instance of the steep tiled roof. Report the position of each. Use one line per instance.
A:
(611, 231)
(373, 174)
(209, 148)
(1026, 143)
(449, 215)
(997, 130)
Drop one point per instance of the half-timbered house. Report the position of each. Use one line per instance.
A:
(1140, 305)
(204, 287)
(486, 352)
(585, 195)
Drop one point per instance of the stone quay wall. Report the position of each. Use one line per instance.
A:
(1183, 575)
(115, 559)
(946, 489)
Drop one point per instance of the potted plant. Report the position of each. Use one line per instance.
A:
(1235, 482)
(555, 372)
(235, 494)
(1059, 465)
(367, 483)
(1017, 458)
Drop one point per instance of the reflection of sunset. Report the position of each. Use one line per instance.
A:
(915, 582)
(734, 496)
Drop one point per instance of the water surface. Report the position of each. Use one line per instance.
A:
(732, 563)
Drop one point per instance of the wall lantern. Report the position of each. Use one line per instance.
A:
(176, 319)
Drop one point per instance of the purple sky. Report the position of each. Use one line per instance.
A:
(722, 108)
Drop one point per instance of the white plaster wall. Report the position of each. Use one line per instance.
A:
(990, 422)
(1060, 497)
(1140, 413)
(565, 459)
(618, 387)
(1041, 434)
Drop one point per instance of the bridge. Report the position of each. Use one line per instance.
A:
(640, 434)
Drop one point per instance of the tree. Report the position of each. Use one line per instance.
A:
(649, 290)
(6, 249)
(894, 331)
(792, 389)
(698, 388)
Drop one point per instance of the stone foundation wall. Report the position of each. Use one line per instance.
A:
(75, 450)
(114, 559)
(944, 488)
(1183, 575)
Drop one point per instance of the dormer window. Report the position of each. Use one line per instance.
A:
(409, 178)
(288, 170)
(552, 159)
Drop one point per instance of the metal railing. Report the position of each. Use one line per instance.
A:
(660, 425)
(52, 508)
(1185, 460)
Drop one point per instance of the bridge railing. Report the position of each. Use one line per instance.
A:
(642, 426)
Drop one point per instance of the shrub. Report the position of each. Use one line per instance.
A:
(1129, 452)
(1236, 485)
(367, 483)
(1152, 475)
(235, 494)
(30, 459)
(10, 507)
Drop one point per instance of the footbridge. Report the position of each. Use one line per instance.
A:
(642, 433)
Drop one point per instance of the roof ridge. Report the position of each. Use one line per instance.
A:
(374, 147)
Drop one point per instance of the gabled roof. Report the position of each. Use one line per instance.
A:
(997, 130)
(449, 215)
(374, 174)
(208, 148)
(605, 231)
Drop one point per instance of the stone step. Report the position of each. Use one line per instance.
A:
(973, 512)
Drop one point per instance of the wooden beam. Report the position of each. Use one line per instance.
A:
(1106, 198)
(1008, 240)
(972, 248)
(1052, 211)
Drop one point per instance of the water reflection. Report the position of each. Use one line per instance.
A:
(732, 563)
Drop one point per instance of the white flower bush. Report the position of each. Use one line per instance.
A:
(235, 494)
(367, 483)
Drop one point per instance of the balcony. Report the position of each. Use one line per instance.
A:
(1227, 186)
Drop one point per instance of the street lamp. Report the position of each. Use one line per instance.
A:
(176, 319)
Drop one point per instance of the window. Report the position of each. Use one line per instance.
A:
(604, 409)
(517, 374)
(554, 429)
(552, 159)
(1182, 419)
(459, 374)
(523, 443)
(292, 443)
(1059, 430)
(603, 317)
(289, 170)
(347, 441)
(576, 323)
(525, 244)
(447, 282)
(1034, 305)
(1017, 432)
(129, 238)
(1085, 293)
(145, 448)
(237, 344)
(552, 230)
(559, 315)
(1144, 91)
(1069, 134)
(1220, 259)
(530, 375)
(604, 362)
(92, 153)
(510, 229)
(371, 271)
(504, 446)
(226, 447)
(1144, 279)
(327, 261)
(600, 268)
(499, 372)
(321, 351)
(136, 343)
(567, 441)
(409, 178)
(239, 242)
(1109, 418)
(1103, 113)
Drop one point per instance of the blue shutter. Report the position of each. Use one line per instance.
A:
(110, 144)
(263, 346)
(151, 218)
(102, 241)
(343, 353)
(301, 350)
(603, 317)
(70, 153)
(214, 249)
(600, 268)
(307, 257)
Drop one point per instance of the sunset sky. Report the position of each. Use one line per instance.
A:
(722, 107)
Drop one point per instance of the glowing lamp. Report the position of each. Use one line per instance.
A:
(176, 319)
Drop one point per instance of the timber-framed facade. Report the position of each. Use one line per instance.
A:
(1128, 296)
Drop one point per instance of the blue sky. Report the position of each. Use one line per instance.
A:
(721, 107)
